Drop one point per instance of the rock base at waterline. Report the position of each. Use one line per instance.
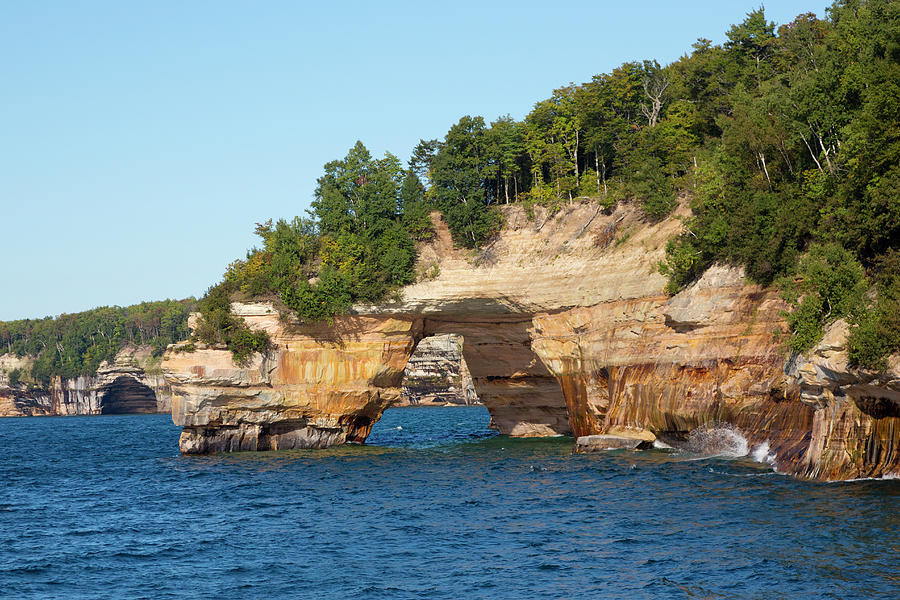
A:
(254, 438)
(598, 443)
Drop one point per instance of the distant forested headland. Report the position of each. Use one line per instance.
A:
(785, 142)
(75, 344)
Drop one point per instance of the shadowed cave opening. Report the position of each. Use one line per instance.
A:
(126, 395)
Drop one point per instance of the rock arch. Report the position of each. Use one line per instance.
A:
(566, 333)
(523, 397)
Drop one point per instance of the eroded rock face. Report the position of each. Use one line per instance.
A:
(709, 356)
(664, 367)
(856, 425)
(131, 384)
(322, 385)
(567, 331)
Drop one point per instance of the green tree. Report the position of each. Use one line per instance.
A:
(416, 217)
(752, 45)
(458, 175)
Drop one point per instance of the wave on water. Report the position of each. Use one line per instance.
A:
(722, 441)
(885, 477)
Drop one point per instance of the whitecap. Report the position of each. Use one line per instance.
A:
(885, 477)
(761, 454)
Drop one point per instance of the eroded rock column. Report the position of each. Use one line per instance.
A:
(320, 386)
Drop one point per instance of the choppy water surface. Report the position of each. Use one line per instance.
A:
(436, 506)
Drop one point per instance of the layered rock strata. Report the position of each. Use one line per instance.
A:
(856, 421)
(567, 332)
(132, 383)
(322, 385)
(437, 375)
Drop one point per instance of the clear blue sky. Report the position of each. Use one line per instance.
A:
(140, 141)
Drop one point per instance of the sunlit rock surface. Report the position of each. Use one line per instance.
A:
(856, 425)
(133, 383)
(567, 331)
(322, 385)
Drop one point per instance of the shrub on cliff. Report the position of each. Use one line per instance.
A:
(831, 285)
(218, 326)
(877, 331)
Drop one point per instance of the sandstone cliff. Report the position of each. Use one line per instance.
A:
(567, 331)
(133, 383)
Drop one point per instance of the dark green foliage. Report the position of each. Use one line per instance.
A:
(416, 219)
(831, 286)
(422, 155)
(243, 343)
(805, 164)
(15, 376)
(75, 344)
(357, 246)
(471, 223)
(329, 296)
(751, 45)
(458, 174)
(877, 331)
(651, 186)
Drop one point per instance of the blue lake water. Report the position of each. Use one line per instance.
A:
(435, 506)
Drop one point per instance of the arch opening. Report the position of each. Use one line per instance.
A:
(428, 426)
(523, 398)
(126, 395)
(436, 374)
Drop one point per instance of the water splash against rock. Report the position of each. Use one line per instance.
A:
(761, 453)
(717, 441)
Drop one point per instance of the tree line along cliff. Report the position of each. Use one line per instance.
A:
(783, 139)
(72, 345)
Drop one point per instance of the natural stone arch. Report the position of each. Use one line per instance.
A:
(523, 397)
(127, 395)
(437, 374)
(567, 327)
(327, 384)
